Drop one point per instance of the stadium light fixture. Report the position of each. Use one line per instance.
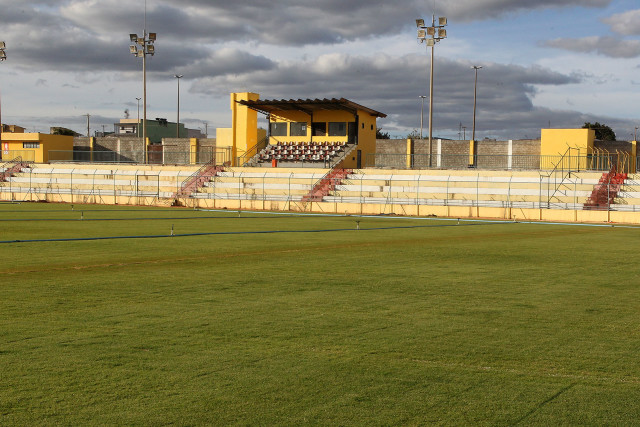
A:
(431, 35)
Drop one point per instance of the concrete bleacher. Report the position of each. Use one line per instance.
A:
(462, 188)
(155, 184)
(45, 182)
(267, 184)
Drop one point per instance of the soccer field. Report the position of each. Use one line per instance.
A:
(252, 318)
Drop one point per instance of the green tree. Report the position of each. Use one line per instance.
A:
(382, 135)
(414, 134)
(63, 131)
(603, 132)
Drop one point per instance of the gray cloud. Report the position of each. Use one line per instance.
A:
(606, 46)
(392, 85)
(285, 22)
(473, 10)
(627, 23)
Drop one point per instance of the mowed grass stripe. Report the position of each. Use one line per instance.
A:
(452, 325)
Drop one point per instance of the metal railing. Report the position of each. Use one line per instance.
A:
(530, 191)
(166, 157)
(28, 156)
(252, 152)
(489, 162)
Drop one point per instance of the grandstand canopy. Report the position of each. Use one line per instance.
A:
(309, 106)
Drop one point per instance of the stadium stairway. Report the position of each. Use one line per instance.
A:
(605, 192)
(198, 180)
(12, 167)
(326, 184)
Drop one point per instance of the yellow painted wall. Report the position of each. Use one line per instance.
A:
(555, 142)
(14, 143)
(244, 125)
(224, 137)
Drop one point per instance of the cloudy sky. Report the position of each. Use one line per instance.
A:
(545, 63)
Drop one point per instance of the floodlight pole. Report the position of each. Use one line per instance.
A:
(141, 47)
(433, 48)
(88, 131)
(138, 124)
(428, 34)
(3, 56)
(422, 113)
(475, 93)
(178, 77)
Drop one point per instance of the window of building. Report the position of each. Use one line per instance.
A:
(278, 129)
(319, 129)
(298, 129)
(30, 145)
(337, 129)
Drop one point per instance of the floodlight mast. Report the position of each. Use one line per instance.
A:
(475, 94)
(141, 47)
(3, 57)
(178, 77)
(431, 35)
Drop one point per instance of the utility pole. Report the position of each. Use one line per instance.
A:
(88, 134)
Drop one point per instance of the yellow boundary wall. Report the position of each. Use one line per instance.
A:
(547, 215)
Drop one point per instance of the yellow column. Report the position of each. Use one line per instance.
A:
(409, 153)
(634, 157)
(472, 152)
(193, 149)
(244, 125)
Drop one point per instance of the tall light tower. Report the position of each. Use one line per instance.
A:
(431, 35)
(475, 94)
(88, 128)
(138, 124)
(422, 97)
(3, 57)
(141, 47)
(178, 77)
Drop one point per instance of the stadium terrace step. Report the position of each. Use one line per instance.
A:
(198, 180)
(12, 167)
(326, 185)
(606, 191)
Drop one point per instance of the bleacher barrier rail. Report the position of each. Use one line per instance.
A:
(526, 191)
(28, 156)
(597, 162)
(166, 157)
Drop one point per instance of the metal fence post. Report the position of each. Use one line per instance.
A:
(264, 194)
(289, 197)
(418, 193)
(446, 203)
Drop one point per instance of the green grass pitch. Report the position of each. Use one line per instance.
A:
(434, 323)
